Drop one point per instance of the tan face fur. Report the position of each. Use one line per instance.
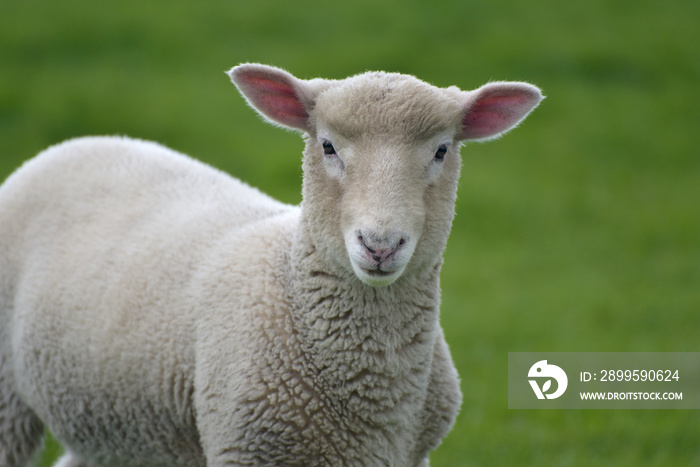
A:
(390, 164)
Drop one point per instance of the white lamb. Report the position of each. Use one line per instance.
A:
(157, 312)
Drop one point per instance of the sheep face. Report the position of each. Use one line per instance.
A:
(382, 159)
(383, 152)
(383, 192)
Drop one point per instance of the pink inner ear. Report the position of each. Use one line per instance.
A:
(285, 107)
(277, 100)
(492, 115)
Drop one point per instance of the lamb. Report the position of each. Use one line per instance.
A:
(157, 312)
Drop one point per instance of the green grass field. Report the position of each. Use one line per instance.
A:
(578, 231)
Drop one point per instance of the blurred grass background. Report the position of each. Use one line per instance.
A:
(579, 231)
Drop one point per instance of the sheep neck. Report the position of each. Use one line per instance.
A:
(371, 348)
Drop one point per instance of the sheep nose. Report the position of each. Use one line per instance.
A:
(380, 250)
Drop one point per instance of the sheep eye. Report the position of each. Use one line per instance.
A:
(440, 153)
(328, 148)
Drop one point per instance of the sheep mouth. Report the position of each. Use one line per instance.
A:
(377, 272)
(375, 276)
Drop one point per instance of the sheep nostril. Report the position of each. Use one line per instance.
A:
(361, 239)
(383, 250)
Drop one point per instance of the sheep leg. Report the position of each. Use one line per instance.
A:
(21, 431)
(442, 403)
(71, 460)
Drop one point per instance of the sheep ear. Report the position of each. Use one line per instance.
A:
(496, 108)
(277, 95)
